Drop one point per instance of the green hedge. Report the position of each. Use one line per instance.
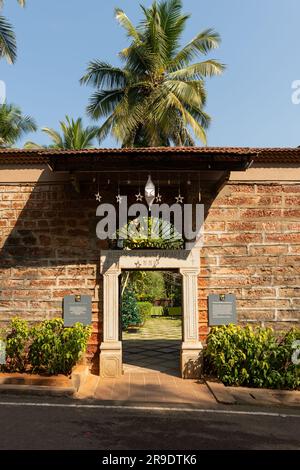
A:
(157, 311)
(45, 348)
(253, 357)
(173, 311)
(145, 309)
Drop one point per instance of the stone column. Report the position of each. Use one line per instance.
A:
(191, 349)
(111, 347)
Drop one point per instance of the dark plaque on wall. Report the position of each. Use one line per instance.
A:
(77, 309)
(221, 309)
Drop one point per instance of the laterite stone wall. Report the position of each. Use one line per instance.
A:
(48, 249)
(252, 249)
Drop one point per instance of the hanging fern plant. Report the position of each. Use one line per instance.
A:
(149, 232)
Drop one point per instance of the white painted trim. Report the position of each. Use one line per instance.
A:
(150, 408)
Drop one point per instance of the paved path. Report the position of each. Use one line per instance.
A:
(155, 347)
(151, 364)
(154, 388)
(156, 328)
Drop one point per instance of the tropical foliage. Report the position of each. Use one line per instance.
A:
(13, 124)
(73, 136)
(46, 347)
(149, 232)
(130, 313)
(255, 357)
(157, 98)
(8, 46)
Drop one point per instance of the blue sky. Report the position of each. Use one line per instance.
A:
(250, 104)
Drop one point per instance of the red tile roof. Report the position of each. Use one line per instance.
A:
(260, 155)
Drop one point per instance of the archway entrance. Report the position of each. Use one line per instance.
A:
(187, 263)
(151, 321)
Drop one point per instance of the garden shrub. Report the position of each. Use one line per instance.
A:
(174, 311)
(55, 349)
(252, 357)
(17, 338)
(145, 309)
(129, 310)
(157, 311)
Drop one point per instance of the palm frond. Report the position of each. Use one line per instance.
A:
(188, 94)
(32, 145)
(203, 43)
(101, 74)
(8, 46)
(54, 136)
(104, 102)
(22, 3)
(158, 97)
(172, 23)
(13, 124)
(124, 21)
(105, 128)
(207, 68)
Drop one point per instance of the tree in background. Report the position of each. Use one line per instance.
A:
(146, 285)
(8, 46)
(14, 124)
(158, 97)
(73, 136)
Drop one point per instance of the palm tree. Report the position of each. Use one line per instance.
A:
(73, 136)
(8, 46)
(157, 98)
(13, 124)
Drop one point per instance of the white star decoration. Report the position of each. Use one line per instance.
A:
(98, 197)
(139, 197)
(179, 199)
(119, 198)
(158, 198)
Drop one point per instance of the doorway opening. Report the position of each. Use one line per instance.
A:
(151, 326)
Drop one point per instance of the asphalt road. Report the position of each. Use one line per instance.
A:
(47, 424)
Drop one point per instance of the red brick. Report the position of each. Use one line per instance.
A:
(61, 293)
(283, 237)
(79, 271)
(248, 201)
(268, 249)
(260, 293)
(218, 214)
(291, 213)
(214, 226)
(240, 281)
(285, 315)
(259, 213)
(248, 260)
(289, 292)
(240, 238)
(259, 315)
(241, 226)
(292, 201)
(203, 316)
(269, 188)
(291, 188)
(242, 188)
(223, 250)
(71, 283)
